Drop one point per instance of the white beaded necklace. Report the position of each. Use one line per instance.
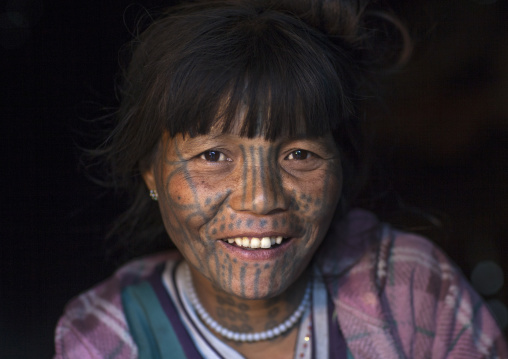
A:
(245, 337)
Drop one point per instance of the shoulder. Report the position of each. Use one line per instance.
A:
(375, 256)
(434, 308)
(405, 294)
(433, 302)
(93, 324)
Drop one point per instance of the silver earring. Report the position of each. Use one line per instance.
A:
(153, 195)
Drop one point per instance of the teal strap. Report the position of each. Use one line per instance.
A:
(148, 324)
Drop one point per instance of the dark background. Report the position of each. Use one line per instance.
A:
(442, 140)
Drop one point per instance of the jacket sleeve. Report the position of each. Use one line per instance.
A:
(94, 324)
(436, 312)
(464, 326)
(70, 344)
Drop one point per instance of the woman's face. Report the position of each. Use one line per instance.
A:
(226, 199)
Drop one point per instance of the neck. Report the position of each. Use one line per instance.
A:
(248, 315)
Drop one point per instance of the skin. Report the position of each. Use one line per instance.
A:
(220, 186)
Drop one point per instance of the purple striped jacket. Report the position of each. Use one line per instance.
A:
(396, 296)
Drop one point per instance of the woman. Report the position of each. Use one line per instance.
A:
(240, 120)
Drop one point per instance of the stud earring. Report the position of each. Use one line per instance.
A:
(153, 195)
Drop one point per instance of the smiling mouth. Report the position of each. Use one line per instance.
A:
(255, 243)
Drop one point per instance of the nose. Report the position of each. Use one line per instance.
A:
(260, 188)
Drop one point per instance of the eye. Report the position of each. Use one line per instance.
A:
(299, 155)
(213, 156)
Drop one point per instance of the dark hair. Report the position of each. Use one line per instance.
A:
(300, 64)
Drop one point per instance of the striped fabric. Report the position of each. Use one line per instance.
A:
(395, 296)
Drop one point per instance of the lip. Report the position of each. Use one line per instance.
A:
(259, 254)
(259, 234)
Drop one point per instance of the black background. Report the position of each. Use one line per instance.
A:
(58, 65)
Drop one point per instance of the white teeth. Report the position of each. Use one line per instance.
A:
(254, 242)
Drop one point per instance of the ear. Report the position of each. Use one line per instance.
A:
(147, 165)
(149, 177)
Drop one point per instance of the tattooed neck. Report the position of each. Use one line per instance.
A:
(248, 316)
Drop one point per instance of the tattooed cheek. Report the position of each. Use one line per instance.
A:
(311, 206)
(177, 192)
(213, 203)
(170, 221)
